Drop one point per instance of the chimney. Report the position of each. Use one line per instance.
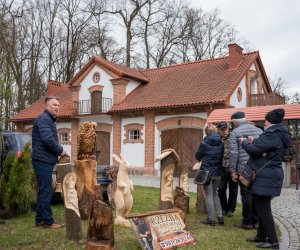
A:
(53, 86)
(235, 56)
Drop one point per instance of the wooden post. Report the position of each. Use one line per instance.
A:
(86, 171)
(68, 178)
(200, 204)
(169, 160)
(100, 235)
(73, 221)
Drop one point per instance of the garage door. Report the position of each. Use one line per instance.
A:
(185, 141)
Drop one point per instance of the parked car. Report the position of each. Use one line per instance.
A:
(12, 143)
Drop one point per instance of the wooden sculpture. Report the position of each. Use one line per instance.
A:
(123, 197)
(112, 172)
(100, 233)
(86, 140)
(72, 216)
(169, 161)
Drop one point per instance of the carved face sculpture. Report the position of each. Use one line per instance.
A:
(70, 193)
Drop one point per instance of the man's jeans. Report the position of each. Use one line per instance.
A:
(230, 203)
(43, 173)
(248, 211)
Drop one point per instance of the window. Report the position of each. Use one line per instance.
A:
(133, 133)
(239, 94)
(96, 77)
(64, 137)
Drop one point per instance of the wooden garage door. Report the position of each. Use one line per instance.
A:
(103, 148)
(185, 141)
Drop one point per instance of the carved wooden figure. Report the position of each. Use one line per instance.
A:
(123, 197)
(86, 141)
(169, 160)
(112, 172)
(100, 233)
(181, 196)
(72, 216)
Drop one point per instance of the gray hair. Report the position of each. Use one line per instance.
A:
(49, 98)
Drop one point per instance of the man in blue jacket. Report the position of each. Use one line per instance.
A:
(45, 152)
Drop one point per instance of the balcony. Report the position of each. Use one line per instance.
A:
(266, 99)
(92, 107)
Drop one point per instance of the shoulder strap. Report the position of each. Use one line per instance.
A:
(263, 166)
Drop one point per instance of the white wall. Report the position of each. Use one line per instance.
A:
(131, 86)
(87, 82)
(234, 100)
(134, 153)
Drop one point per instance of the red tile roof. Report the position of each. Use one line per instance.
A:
(292, 112)
(36, 108)
(195, 83)
(120, 70)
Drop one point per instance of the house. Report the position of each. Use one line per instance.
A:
(142, 112)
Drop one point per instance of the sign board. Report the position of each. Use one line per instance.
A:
(162, 229)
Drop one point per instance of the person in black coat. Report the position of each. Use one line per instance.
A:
(211, 151)
(45, 152)
(267, 152)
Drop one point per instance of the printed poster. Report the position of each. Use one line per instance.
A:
(163, 229)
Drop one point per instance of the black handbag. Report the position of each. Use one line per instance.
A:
(203, 177)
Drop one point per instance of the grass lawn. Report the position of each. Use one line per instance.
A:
(20, 233)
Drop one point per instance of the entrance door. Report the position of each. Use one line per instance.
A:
(185, 141)
(103, 148)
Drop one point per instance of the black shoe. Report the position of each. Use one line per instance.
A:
(243, 226)
(229, 213)
(220, 220)
(256, 239)
(268, 245)
(208, 222)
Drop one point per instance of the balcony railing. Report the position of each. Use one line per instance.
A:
(266, 99)
(96, 106)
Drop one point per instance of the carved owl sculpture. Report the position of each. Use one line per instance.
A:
(86, 140)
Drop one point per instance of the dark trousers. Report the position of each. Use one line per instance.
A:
(43, 173)
(266, 222)
(248, 210)
(226, 181)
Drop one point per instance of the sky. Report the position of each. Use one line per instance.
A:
(272, 27)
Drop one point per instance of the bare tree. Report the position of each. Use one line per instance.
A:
(100, 33)
(168, 34)
(128, 11)
(280, 87)
(295, 98)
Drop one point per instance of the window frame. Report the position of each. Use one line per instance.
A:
(133, 127)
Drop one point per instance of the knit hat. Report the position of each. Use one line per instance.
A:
(275, 116)
(238, 115)
(222, 124)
